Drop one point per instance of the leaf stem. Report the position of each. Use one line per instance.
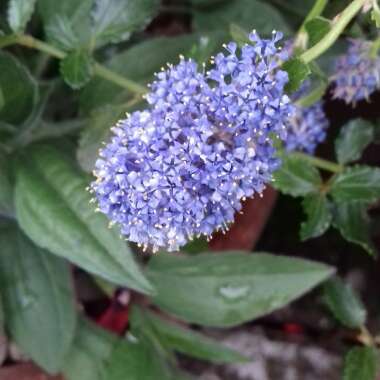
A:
(100, 70)
(328, 40)
(316, 10)
(319, 162)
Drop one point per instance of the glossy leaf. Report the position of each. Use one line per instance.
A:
(38, 299)
(114, 20)
(248, 14)
(19, 13)
(19, 89)
(67, 21)
(52, 207)
(358, 183)
(297, 71)
(316, 29)
(361, 363)
(344, 303)
(77, 68)
(352, 221)
(184, 340)
(352, 140)
(296, 177)
(226, 289)
(318, 216)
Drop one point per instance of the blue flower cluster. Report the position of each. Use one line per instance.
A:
(357, 74)
(182, 167)
(307, 126)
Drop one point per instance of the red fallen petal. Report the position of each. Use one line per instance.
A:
(114, 319)
(293, 328)
(116, 316)
(246, 230)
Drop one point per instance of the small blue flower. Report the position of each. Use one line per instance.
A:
(182, 168)
(307, 126)
(357, 75)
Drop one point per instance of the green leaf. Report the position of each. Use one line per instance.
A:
(375, 17)
(358, 183)
(77, 68)
(2, 99)
(227, 289)
(352, 140)
(156, 52)
(19, 13)
(52, 207)
(114, 20)
(296, 177)
(6, 188)
(297, 71)
(318, 214)
(97, 131)
(19, 89)
(344, 303)
(61, 33)
(361, 363)
(248, 14)
(139, 360)
(239, 35)
(89, 353)
(316, 29)
(38, 299)
(184, 340)
(67, 23)
(352, 221)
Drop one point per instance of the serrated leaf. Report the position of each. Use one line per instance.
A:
(115, 20)
(316, 29)
(344, 303)
(297, 71)
(64, 19)
(60, 32)
(38, 299)
(361, 363)
(352, 140)
(184, 340)
(19, 13)
(248, 14)
(352, 221)
(318, 215)
(296, 177)
(77, 68)
(357, 184)
(19, 89)
(229, 288)
(97, 131)
(52, 207)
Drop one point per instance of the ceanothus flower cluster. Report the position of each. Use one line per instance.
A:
(357, 74)
(307, 126)
(182, 167)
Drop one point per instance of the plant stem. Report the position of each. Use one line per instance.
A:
(111, 76)
(313, 96)
(319, 162)
(100, 70)
(328, 40)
